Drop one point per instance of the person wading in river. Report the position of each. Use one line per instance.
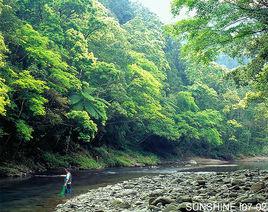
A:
(68, 181)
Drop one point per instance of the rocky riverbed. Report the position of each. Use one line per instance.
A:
(242, 190)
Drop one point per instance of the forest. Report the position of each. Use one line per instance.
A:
(97, 83)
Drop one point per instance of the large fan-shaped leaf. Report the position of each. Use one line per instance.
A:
(87, 96)
(94, 106)
(104, 102)
(78, 107)
(75, 99)
(93, 111)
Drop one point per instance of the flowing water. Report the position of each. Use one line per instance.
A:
(41, 193)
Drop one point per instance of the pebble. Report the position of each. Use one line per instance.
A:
(175, 192)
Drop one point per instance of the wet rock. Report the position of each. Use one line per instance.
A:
(253, 200)
(156, 193)
(236, 187)
(139, 203)
(265, 177)
(154, 208)
(220, 174)
(257, 186)
(246, 188)
(237, 182)
(197, 199)
(129, 192)
(212, 193)
(233, 195)
(253, 210)
(226, 180)
(177, 181)
(185, 206)
(201, 182)
(73, 206)
(240, 198)
(162, 200)
(185, 198)
(151, 200)
(171, 208)
(121, 204)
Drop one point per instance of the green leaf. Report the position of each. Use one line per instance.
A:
(75, 99)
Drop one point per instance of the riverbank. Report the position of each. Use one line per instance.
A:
(253, 159)
(102, 158)
(177, 192)
(96, 159)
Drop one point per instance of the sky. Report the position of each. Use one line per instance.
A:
(159, 7)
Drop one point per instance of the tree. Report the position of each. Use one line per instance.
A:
(86, 73)
(4, 100)
(235, 28)
(94, 106)
(122, 9)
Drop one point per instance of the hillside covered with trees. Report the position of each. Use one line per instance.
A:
(95, 83)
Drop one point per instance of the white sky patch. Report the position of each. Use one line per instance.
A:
(162, 8)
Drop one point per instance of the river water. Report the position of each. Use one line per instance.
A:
(40, 194)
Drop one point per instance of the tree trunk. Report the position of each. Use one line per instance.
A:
(68, 140)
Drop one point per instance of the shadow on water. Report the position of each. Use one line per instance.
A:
(40, 194)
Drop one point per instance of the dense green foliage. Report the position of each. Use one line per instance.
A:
(84, 74)
(215, 31)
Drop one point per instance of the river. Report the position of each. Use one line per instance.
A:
(41, 193)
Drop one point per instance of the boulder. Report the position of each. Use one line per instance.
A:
(265, 177)
(138, 203)
(151, 200)
(154, 208)
(233, 195)
(212, 193)
(235, 188)
(162, 200)
(253, 200)
(184, 198)
(73, 206)
(185, 206)
(237, 182)
(197, 198)
(156, 193)
(226, 180)
(201, 182)
(257, 186)
(121, 203)
(240, 198)
(171, 208)
(253, 210)
(178, 180)
(128, 192)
